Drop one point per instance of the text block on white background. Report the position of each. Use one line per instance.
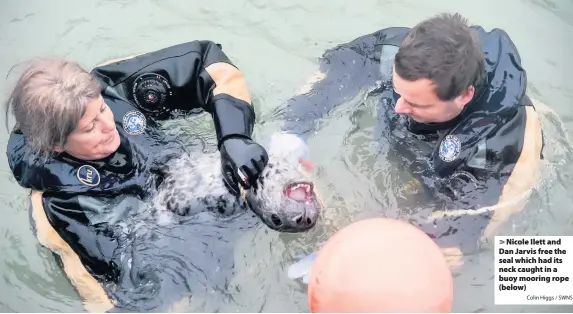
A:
(531, 270)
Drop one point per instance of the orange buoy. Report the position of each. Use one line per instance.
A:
(380, 265)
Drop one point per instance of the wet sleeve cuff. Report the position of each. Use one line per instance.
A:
(458, 229)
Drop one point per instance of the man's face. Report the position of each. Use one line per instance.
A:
(418, 100)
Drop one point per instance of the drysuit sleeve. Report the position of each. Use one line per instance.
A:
(181, 78)
(493, 182)
(344, 72)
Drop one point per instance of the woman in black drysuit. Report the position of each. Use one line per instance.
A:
(89, 143)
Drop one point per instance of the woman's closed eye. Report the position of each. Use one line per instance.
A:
(91, 127)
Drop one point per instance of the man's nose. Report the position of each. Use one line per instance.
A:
(402, 106)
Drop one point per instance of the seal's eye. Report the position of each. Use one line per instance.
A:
(300, 191)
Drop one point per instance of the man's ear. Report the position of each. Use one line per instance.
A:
(465, 98)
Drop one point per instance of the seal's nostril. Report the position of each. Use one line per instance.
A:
(298, 219)
(309, 221)
(276, 220)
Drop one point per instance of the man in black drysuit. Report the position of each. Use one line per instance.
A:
(453, 104)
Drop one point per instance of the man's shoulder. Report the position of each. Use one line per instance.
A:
(370, 44)
(495, 32)
(484, 124)
(497, 139)
(496, 42)
(504, 89)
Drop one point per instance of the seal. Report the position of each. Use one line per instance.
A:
(284, 197)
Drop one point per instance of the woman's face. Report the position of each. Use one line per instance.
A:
(95, 136)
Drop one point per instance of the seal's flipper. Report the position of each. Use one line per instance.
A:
(301, 269)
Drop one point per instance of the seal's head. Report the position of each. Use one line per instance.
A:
(284, 198)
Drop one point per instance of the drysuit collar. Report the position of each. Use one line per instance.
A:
(111, 162)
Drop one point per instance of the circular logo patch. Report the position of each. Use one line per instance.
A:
(450, 148)
(134, 122)
(88, 175)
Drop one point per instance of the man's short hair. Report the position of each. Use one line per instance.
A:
(445, 50)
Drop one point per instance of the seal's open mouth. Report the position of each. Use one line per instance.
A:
(299, 191)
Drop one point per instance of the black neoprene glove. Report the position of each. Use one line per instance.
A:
(242, 159)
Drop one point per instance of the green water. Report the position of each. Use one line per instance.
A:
(277, 45)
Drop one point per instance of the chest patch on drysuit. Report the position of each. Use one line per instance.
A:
(450, 148)
(134, 122)
(88, 175)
